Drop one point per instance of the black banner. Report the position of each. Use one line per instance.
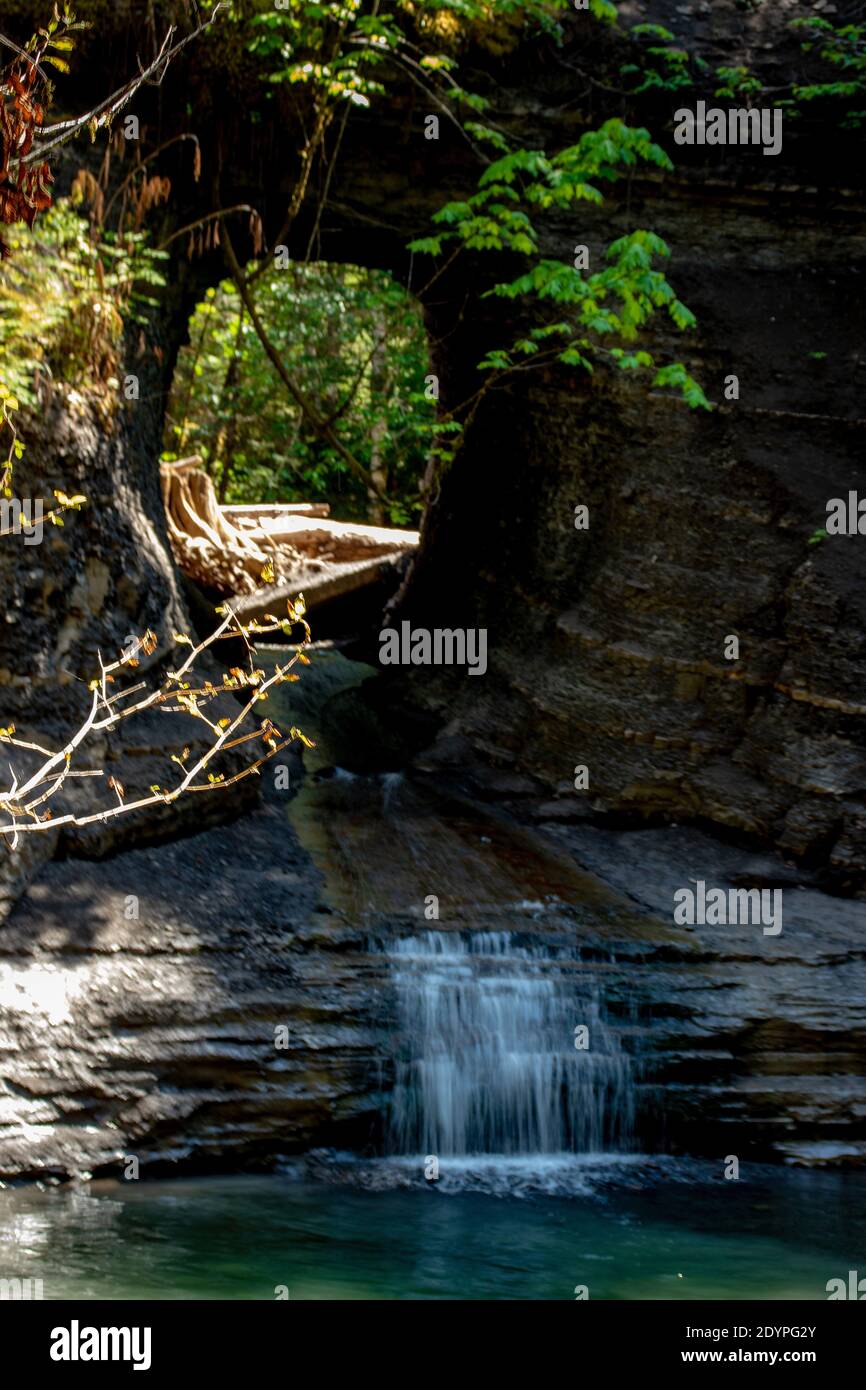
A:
(157, 1339)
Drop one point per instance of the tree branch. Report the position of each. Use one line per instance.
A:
(19, 803)
(107, 109)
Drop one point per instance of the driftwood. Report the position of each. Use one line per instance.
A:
(206, 545)
(339, 541)
(229, 548)
(250, 513)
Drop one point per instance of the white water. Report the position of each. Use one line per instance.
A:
(487, 1062)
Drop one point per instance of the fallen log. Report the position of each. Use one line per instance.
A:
(337, 540)
(206, 545)
(317, 587)
(254, 511)
(265, 554)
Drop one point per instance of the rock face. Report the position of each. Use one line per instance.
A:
(154, 1037)
(145, 999)
(607, 645)
(141, 1003)
(749, 1043)
(103, 577)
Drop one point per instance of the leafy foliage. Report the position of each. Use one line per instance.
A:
(24, 187)
(597, 312)
(737, 83)
(665, 65)
(845, 49)
(355, 342)
(343, 55)
(227, 405)
(64, 298)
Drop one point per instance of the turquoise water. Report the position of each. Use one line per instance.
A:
(626, 1235)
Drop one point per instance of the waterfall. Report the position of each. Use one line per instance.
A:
(487, 1059)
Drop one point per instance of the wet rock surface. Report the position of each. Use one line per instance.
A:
(141, 998)
(757, 1042)
(155, 1036)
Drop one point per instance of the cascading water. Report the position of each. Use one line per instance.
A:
(488, 1062)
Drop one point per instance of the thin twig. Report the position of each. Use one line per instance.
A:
(107, 109)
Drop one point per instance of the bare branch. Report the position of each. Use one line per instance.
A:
(22, 53)
(106, 110)
(21, 802)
